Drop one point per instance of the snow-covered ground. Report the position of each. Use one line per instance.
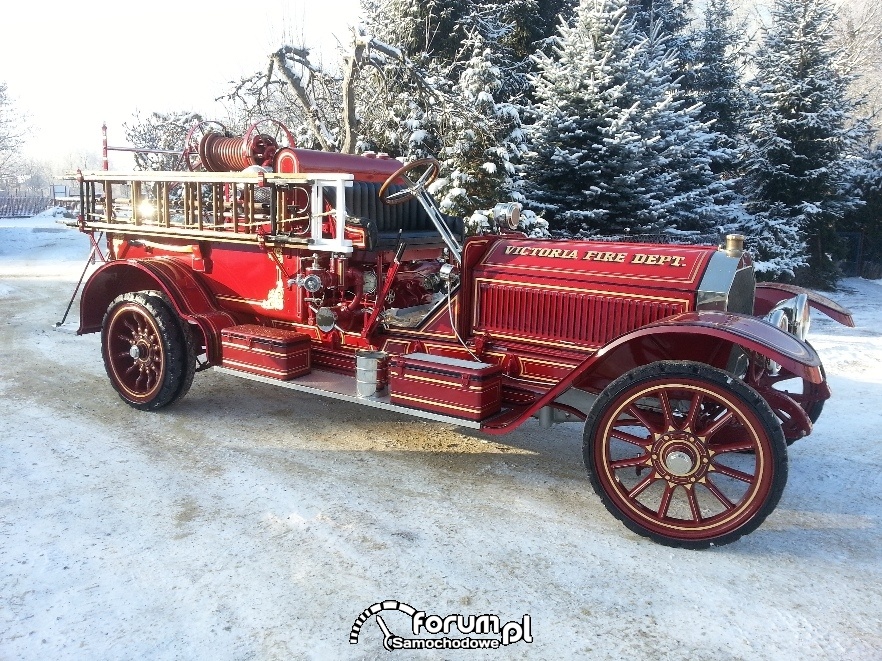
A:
(251, 522)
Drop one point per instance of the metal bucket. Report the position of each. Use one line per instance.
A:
(371, 372)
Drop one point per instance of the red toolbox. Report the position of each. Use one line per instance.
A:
(458, 388)
(273, 352)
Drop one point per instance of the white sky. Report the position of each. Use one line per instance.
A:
(70, 66)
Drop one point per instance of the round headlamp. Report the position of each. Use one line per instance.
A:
(507, 215)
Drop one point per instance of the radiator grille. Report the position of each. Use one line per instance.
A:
(575, 317)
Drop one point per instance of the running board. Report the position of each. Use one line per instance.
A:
(342, 387)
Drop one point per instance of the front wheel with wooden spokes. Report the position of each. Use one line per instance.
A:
(685, 454)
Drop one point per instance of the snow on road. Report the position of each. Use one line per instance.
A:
(250, 522)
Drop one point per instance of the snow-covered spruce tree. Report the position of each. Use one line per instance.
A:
(614, 149)
(671, 20)
(441, 31)
(716, 82)
(450, 109)
(801, 140)
(685, 194)
(419, 28)
(160, 131)
(867, 218)
(477, 164)
(583, 169)
(516, 29)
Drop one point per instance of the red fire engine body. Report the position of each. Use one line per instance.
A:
(337, 275)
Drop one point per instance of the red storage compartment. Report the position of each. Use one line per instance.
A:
(273, 352)
(459, 388)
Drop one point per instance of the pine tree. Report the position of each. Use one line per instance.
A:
(615, 150)
(798, 173)
(716, 82)
(478, 164)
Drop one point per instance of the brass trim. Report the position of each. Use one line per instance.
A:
(440, 404)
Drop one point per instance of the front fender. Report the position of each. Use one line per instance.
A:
(706, 337)
(750, 332)
(769, 294)
(181, 285)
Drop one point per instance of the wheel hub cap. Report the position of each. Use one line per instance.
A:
(680, 457)
(679, 463)
(135, 352)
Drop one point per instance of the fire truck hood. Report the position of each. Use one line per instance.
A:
(589, 263)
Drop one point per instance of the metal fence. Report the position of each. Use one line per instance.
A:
(22, 206)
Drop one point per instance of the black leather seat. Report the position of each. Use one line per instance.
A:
(383, 221)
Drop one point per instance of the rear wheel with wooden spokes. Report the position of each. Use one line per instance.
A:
(148, 353)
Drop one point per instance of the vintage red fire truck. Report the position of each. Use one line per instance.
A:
(338, 275)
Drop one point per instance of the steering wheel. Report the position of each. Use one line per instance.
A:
(416, 187)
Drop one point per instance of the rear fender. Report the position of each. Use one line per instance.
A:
(769, 294)
(189, 297)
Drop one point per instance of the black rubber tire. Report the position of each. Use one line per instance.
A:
(143, 323)
(190, 348)
(769, 440)
(814, 411)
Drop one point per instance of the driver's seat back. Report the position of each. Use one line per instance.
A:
(383, 221)
(363, 201)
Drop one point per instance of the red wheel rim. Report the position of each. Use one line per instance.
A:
(135, 353)
(684, 459)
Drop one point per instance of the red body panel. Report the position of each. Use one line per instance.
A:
(581, 294)
(458, 388)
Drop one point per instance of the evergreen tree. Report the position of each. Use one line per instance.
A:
(477, 165)
(670, 19)
(685, 193)
(867, 218)
(469, 56)
(583, 172)
(615, 150)
(798, 169)
(716, 82)
(419, 28)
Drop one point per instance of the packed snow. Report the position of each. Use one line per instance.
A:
(251, 522)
